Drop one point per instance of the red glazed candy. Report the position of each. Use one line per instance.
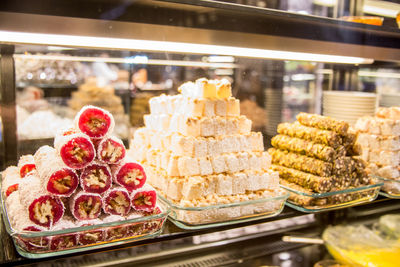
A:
(60, 242)
(86, 206)
(111, 150)
(46, 210)
(63, 182)
(131, 175)
(96, 178)
(94, 122)
(77, 153)
(117, 201)
(144, 200)
(25, 169)
(11, 189)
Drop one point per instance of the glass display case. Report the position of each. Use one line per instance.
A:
(280, 57)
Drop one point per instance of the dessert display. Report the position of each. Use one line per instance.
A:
(317, 163)
(49, 70)
(40, 124)
(74, 190)
(378, 142)
(199, 151)
(90, 93)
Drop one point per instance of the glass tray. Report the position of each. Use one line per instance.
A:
(317, 202)
(390, 188)
(36, 245)
(226, 214)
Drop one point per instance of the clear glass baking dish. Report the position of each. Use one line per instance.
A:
(317, 202)
(390, 188)
(42, 244)
(226, 214)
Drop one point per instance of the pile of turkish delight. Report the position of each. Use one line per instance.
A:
(84, 180)
(200, 151)
(378, 142)
(315, 155)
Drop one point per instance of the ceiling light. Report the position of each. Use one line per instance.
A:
(175, 47)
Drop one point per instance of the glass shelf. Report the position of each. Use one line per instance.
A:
(317, 202)
(226, 214)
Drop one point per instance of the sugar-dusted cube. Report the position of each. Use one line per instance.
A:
(232, 163)
(209, 108)
(224, 89)
(253, 180)
(175, 188)
(220, 126)
(224, 184)
(205, 88)
(221, 108)
(243, 158)
(256, 141)
(254, 161)
(172, 169)
(232, 126)
(205, 166)
(233, 107)
(213, 147)
(244, 125)
(181, 145)
(218, 163)
(200, 147)
(207, 127)
(192, 127)
(239, 183)
(188, 166)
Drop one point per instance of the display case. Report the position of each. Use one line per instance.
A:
(58, 57)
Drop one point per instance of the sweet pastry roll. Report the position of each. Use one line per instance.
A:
(96, 178)
(94, 122)
(117, 201)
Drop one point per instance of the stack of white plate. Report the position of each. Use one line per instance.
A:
(273, 104)
(348, 106)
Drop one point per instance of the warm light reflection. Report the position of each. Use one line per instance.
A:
(176, 47)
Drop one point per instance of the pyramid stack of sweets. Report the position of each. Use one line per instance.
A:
(315, 155)
(378, 142)
(84, 180)
(199, 151)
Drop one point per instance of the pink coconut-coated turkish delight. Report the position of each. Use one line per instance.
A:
(95, 122)
(44, 210)
(117, 201)
(56, 177)
(85, 206)
(76, 149)
(96, 178)
(26, 164)
(11, 179)
(144, 199)
(111, 150)
(91, 236)
(64, 241)
(129, 174)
